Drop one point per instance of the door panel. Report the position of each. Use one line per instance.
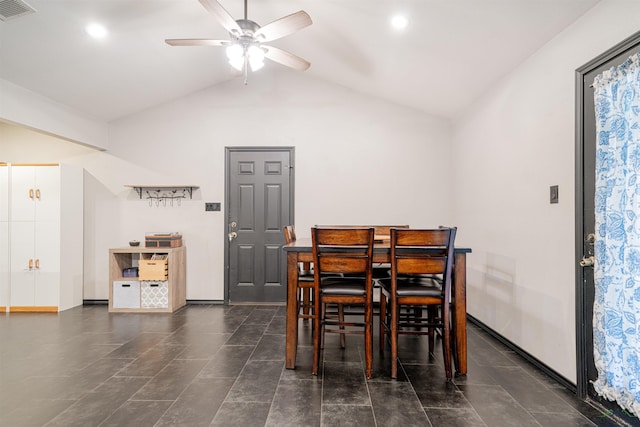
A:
(47, 183)
(246, 263)
(46, 253)
(4, 193)
(22, 253)
(23, 185)
(4, 263)
(4, 235)
(259, 193)
(247, 208)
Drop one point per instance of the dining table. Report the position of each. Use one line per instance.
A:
(300, 250)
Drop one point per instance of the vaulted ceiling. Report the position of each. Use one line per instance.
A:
(450, 53)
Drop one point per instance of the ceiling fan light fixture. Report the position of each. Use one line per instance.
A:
(234, 51)
(237, 63)
(245, 49)
(256, 57)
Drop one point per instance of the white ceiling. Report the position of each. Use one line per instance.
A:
(452, 51)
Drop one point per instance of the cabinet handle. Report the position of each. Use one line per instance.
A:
(31, 193)
(30, 264)
(38, 194)
(37, 262)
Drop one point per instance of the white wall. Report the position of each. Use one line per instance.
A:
(509, 148)
(358, 160)
(28, 109)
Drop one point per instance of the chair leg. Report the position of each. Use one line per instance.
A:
(306, 302)
(317, 325)
(394, 339)
(454, 343)
(383, 314)
(431, 311)
(341, 320)
(368, 340)
(446, 343)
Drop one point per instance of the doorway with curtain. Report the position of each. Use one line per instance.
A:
(599, 372)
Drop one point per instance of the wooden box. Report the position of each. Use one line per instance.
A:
(152, 269)
(163, 240)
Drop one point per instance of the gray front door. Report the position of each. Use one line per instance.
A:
(585, 220)
(259, 194)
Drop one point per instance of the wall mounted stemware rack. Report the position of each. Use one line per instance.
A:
(160, 194)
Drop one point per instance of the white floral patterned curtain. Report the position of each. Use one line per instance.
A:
(616, 311)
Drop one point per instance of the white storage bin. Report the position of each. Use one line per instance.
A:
(126, 294)
(154, 293)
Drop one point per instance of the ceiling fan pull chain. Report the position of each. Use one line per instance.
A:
(245, 68)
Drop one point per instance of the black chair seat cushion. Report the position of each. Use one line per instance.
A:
(381, 271)
(305, 278)
(307, 275)
(414, 286)
(343, 286)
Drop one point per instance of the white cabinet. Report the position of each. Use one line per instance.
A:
(4, 237)
(45, 235)
(35, 193)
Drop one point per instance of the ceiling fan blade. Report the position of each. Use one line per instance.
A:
(285, 58)
(221, 15)
(197, 42)
(284, 26)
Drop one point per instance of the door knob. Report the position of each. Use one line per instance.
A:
(587, 261)
(232, 235)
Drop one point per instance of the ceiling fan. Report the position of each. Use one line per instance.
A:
(246, 48)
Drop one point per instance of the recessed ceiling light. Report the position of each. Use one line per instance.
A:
(399, 22)
(96, 30)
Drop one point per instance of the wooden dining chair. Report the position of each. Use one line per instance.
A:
(421, 276)
(305, 279)
(349, 253)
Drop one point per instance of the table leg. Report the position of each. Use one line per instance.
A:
(460, 292)
(292, 310)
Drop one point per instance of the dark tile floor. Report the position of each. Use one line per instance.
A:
(224, 366)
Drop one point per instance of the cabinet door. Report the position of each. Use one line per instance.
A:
(4, 193)
(4, 235)
(47, 261)
(23, 187)
(47, 193)
(22, 252)
(4, 263)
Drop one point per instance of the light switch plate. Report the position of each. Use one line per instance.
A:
(211, 207)
(553, 194)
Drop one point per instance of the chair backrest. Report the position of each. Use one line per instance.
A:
(343, 250)
(423, 251)
(289, 234)
(385, 230)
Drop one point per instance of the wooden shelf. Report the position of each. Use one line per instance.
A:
(122, 258)
(164, 191)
